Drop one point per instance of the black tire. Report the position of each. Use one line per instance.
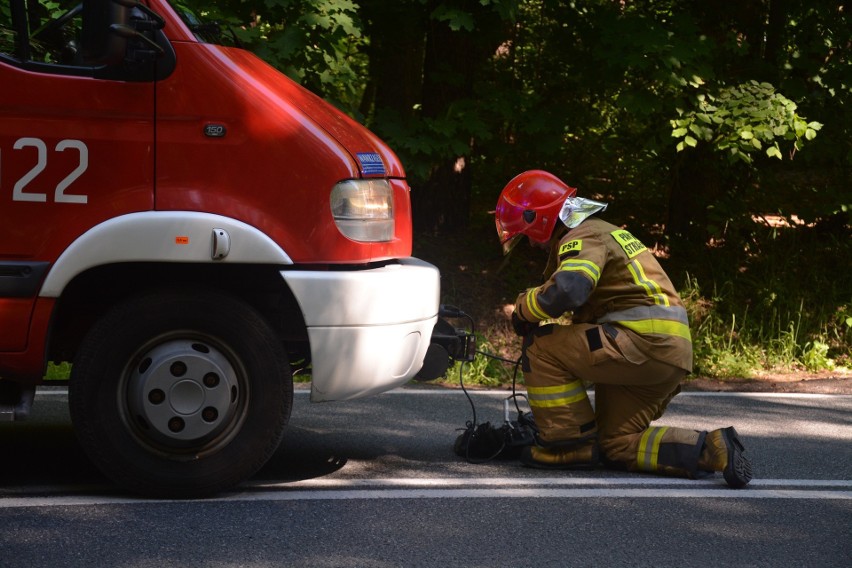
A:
(180, 394)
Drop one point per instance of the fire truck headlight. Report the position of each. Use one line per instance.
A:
(363, 209)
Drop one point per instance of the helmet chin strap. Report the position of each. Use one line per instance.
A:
(575, 210)
(509, 245)
(553, 250)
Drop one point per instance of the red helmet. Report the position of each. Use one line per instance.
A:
(529, 205)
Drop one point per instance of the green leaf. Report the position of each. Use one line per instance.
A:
(773, 152)
(810, 134)
(746, 134)
(690, 141)
(457, 19)
(678, 132)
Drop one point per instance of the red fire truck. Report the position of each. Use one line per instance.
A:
(186, 226)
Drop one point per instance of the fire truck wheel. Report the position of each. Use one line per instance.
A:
(180, 394)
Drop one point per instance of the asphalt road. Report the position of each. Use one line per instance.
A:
(375, 483)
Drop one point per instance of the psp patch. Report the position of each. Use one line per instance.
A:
(371, 163)
(571, 248)
(631, 245)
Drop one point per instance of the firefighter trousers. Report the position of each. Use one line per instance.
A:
(631, 391)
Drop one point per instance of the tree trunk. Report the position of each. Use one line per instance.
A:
(452, 61)
(415, 58)
(695, 187)
(397, 32)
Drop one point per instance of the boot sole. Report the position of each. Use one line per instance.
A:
(738, 471)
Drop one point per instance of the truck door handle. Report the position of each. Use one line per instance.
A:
(221, 244)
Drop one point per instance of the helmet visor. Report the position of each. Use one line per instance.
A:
(509, 236)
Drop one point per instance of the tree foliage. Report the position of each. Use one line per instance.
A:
(512, 83)
(318, 43)
(743, 120)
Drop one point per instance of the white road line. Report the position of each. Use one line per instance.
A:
(481, 488)
(546, 493)
(539, 481)
(59, 392)
(731, 394)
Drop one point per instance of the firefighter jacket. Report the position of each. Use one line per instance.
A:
(604, 275)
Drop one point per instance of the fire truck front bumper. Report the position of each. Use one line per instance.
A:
(369, 330)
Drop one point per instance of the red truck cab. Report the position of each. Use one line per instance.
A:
(187, 226)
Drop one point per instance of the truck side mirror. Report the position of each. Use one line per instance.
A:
(101, 46)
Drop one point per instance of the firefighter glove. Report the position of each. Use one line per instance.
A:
(521, 327)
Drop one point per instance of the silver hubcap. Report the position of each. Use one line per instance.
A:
(182, 393)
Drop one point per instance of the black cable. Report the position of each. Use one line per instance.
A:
(471, 426)
(464, 390)
(498, 358)
(516, 363)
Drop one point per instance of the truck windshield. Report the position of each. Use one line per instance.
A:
(204, 25)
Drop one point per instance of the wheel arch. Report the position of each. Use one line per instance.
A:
(93, 292)
(162, 236)
(133, 253)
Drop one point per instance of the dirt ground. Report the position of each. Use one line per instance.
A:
(838, 382)
(807, 383)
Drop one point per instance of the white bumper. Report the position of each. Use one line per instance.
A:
(369, 329)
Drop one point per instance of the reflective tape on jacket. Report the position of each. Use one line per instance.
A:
(586, 267)
(658, 327)
(651, 287)
(649, 448)
(533, 306)
(560, 395)
(657, 320)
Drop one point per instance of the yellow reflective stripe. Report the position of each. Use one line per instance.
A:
(560, 395)
(533, 307)
(649, 448)
(588, 268)
(653, 289)
(659, 327)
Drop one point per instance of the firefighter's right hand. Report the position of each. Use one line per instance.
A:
(521, 327)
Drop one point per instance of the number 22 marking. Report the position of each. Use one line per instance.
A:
(18, 193)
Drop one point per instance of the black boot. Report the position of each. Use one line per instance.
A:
(724, 452)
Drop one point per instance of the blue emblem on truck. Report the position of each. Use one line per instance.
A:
(371, 163)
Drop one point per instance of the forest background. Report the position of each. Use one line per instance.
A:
(719, 132)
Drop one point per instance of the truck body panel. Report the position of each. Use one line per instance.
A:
(280, 153)
(51, 128)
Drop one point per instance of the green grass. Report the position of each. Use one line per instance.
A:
(58, 371)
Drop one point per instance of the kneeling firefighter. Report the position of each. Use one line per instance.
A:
(629, 336)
